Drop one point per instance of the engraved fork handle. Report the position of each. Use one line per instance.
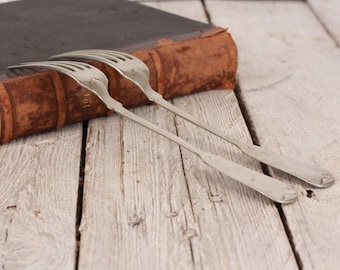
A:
(310, 174)
(268, 186)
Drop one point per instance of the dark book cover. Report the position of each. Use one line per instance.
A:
(183, 56)
(33, 30)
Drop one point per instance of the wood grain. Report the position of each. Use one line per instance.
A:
(192, 9)
(150, 205)
(135, 200)
(288, 75)
(38, 189)
(234, 221)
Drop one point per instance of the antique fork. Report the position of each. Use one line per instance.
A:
(136, 71)
(91, 78)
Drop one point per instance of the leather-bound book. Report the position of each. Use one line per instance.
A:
(183, 56)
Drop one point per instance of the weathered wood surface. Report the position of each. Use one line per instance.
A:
(192, 9)
(328, 12)
(148, 204)
(39, 179)
(289, 80)
(155, 205)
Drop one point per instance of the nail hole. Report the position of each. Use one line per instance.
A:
(310, 193)
(135, 220)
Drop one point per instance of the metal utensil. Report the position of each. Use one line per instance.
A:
(94, 80)
(136, 71)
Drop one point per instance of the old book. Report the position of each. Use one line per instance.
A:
(184, 56)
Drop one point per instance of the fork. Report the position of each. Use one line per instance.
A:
(91, 78)
(136, 71)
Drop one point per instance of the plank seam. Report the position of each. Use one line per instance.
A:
(323, 24)
(80, 196)
(252, 130)
(189, 195)
(122, 155)
(290, 236)
(206, 11)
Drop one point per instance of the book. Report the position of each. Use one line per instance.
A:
(183, 56)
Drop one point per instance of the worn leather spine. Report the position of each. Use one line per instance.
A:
(48, 100)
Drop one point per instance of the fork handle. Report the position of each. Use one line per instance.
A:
(308, 173)
(268, 186)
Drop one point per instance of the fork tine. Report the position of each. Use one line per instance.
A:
(129, 56)
(108, 54)
(79, 65)
(43, 65)
(84, 74)
(115, 54)
(120, 55)
(104, 56)
(83, 54)
(61, 66)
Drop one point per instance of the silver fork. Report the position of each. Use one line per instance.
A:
(136, 71)
(93, 79)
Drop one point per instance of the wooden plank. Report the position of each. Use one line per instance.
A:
(180, 8)
(288, 75)
(136, 206)
(39, 179)
(238, 229)
(328, 13)
(150, 205)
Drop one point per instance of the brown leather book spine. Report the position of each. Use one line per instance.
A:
(48, 100)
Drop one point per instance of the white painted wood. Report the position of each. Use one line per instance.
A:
(39, 178)
(136, 207)
(238, 229)
(328, 12)
(142, 211)
(192, 9)
(289, 78)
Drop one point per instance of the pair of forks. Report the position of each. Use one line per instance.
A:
(135, 70)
